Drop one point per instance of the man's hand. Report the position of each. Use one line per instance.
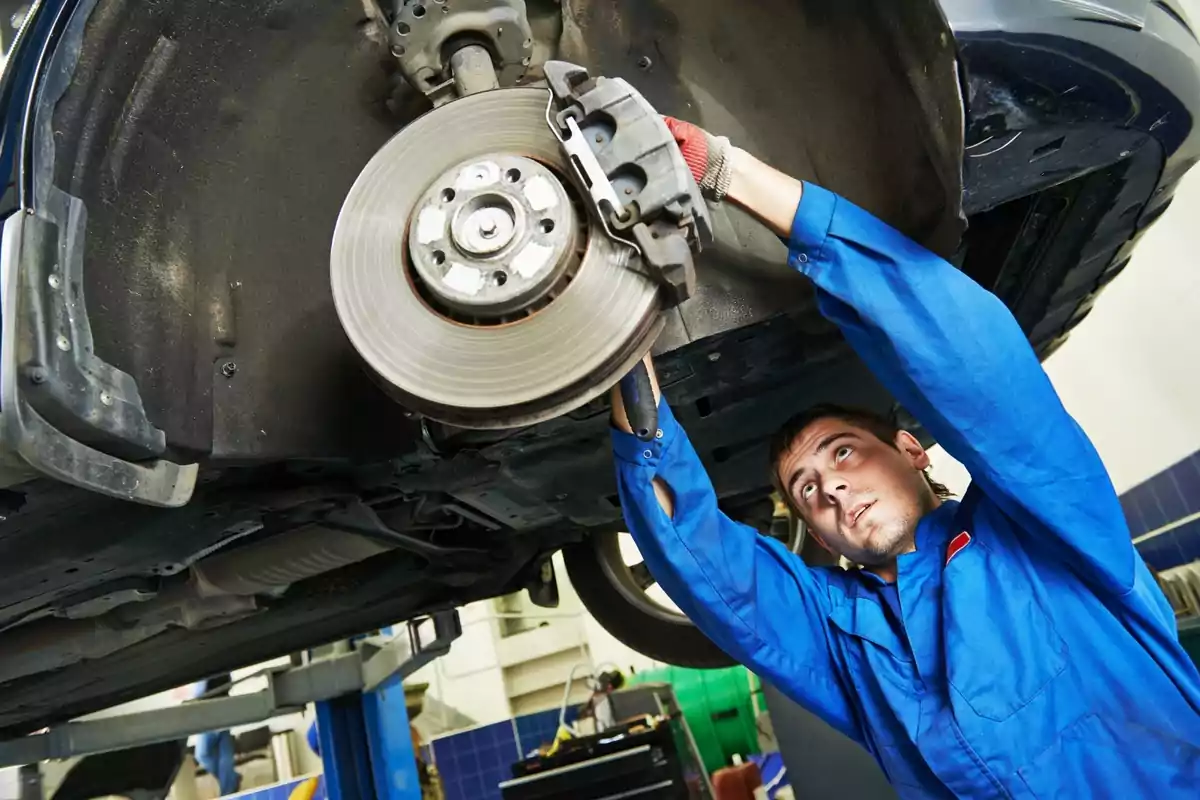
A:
(707, 156)
(723, 170)
(620, 418)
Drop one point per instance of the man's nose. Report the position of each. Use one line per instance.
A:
(836, 489)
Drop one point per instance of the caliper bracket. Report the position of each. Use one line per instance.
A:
(638, 184)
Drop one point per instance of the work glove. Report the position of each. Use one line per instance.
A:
(707, 156)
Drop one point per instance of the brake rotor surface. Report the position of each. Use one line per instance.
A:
(586, 329)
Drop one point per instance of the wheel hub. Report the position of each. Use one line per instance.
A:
(529, 311)
(492, 237)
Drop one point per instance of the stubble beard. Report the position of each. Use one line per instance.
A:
(898, 535)
(891, 539)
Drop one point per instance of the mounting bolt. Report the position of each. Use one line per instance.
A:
(37, 375)
(63, 343)
(644, 63)
(106, 398)
(714, 356)
(54, 281)
(229, 369)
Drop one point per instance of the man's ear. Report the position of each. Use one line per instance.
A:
(907, 444)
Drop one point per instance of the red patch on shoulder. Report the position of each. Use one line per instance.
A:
(956, 545)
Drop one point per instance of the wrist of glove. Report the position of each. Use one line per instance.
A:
(707, 156)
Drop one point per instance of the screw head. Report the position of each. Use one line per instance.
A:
(229, 369)
(106, 398)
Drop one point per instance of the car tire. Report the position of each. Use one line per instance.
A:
(611, 593)
(611, 599)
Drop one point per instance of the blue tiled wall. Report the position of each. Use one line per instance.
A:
(474, 762)
(1171, 495)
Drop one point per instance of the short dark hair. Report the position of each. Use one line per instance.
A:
(879, 426)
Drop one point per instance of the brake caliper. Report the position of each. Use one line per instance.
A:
(637, 183)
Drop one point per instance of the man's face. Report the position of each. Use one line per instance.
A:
(862, 497)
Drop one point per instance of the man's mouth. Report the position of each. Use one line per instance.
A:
(858, 512)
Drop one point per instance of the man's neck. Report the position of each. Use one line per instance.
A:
(885, 571)
(888, 570)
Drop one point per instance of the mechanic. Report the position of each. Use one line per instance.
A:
(1013, 644)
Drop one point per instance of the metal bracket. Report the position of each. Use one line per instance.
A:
(420, 31)
(288, 690)
(400, 656)
(638, 183)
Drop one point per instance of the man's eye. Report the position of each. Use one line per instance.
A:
(843, 453)
(807, 490)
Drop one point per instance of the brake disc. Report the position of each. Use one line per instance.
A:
(470, 279)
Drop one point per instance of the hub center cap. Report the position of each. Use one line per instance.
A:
(492, 237)
(487, 228)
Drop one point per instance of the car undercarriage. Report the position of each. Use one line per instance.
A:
(179, 171)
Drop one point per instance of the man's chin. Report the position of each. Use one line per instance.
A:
(883, 547)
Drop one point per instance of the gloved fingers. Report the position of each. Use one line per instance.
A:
(693, 143)
(707, 156)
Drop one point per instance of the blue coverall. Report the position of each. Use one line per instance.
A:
(1039, 660)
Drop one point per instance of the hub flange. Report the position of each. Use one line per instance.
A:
(492, 237)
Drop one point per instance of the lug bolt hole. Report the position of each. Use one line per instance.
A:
(419, 12)
(402, 28)
(439, 257)
(512, 175)
(447, 195)
(546, 225)
(500, 277)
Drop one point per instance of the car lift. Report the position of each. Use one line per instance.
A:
(362, 724)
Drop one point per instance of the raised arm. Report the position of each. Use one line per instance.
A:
(953, 355)
(746, 592)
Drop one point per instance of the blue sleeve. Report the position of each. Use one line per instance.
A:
(952, 354)
(748, 593)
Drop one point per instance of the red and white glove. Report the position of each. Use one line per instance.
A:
(707, 156)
